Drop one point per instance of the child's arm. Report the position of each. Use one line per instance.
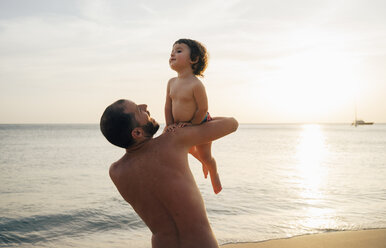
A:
(168, 107)
(202, 103)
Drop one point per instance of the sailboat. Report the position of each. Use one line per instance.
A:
(360, 122)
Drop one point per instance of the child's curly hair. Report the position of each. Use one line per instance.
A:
(197, 50)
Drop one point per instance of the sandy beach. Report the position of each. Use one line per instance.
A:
(374, 238)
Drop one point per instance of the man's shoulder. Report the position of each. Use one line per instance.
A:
(114, 171)
(170, 141)
(164, 140)
(116, 168)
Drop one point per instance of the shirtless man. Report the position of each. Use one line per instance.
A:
(153, 176)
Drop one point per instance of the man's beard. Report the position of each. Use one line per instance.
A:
(150, 128)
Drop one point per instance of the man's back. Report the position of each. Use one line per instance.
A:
(158, 184)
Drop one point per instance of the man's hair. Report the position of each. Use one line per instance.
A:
(116, 125)
(197, 50)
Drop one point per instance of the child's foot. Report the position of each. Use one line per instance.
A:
(216, 183)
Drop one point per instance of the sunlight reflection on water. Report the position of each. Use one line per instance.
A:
(312, 154)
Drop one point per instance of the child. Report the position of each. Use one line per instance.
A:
(186, 101)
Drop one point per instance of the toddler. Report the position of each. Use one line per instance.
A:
(186, 100)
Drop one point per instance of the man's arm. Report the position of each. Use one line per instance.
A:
(194, 135)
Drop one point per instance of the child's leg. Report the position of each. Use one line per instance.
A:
(204, 151)
(195, 154)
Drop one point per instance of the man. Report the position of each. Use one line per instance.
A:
(154, 176)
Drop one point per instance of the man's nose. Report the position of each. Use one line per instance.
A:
(143, 106)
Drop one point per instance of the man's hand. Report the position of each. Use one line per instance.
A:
(170, 128)
(184, 124)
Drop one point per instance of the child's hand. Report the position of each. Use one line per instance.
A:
(170, 128)
(184, 124)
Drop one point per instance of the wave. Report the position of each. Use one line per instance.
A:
(45, 228)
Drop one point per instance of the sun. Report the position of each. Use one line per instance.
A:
(312, 83)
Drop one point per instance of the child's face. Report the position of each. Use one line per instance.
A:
(180, 57)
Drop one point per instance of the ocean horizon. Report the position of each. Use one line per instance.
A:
(163, 124)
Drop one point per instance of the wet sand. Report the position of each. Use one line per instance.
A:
(374, 238)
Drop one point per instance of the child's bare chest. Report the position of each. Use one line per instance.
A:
(181, 92)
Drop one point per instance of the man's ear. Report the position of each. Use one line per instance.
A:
(137, 133)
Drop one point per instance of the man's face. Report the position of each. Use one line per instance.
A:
(142, 116)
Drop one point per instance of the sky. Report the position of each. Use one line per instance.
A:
(276, 61)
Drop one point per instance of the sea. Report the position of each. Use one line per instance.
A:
(279, 181)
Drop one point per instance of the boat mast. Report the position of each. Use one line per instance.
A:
(356, 120)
